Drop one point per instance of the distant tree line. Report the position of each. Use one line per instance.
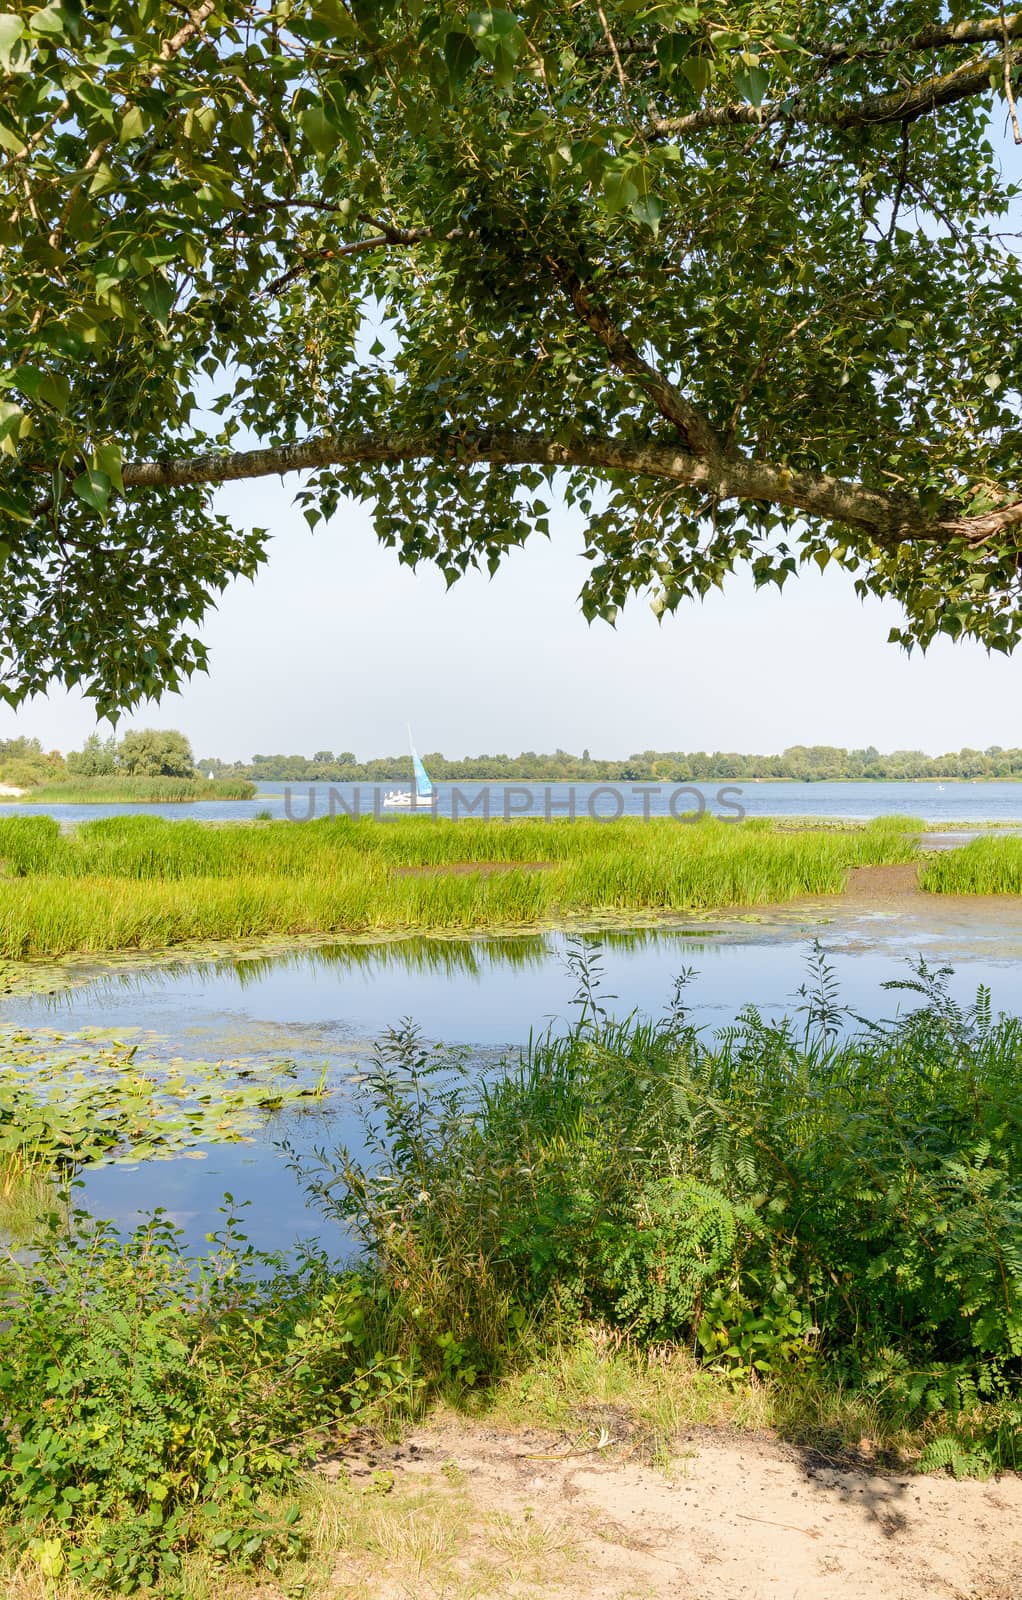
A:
(141, 753)
(807, 763)
(151, 752)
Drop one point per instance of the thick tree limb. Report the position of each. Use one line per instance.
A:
(903, 105)
(888, 519)
(975, 30)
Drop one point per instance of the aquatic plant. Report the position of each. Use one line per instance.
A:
(92, 1098)
(983, 866)
(133, 882)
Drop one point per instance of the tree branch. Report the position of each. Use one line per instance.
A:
(976, 30)
(168, 50)
(901, 105)
(888, 519)
(669, 401)
(392, 236)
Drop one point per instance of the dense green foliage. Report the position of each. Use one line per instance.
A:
(786, 1194)
(24, 763)
(152, 1401)
(102, 758)
(142, 883)
(155, 753)
(740, 288)
(147, 764)
(800, 762)
(96, 759)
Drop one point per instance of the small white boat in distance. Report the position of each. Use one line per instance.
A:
(422, 798)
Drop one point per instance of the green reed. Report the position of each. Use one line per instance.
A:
(142, 883)
(984, 866)
(114, 791)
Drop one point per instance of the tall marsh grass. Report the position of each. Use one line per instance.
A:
(983, 866)
(114, 791)
(142, 883)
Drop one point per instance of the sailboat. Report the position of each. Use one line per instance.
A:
(401, 799)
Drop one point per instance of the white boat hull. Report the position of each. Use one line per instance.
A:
(399, 801)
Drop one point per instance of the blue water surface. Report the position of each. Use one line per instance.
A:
(323, 1007)
(935, 803)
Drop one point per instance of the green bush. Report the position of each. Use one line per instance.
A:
(152, 1402)
(786, 1192)
(679, 1237)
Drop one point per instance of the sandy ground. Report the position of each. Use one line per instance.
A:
(733, 1518)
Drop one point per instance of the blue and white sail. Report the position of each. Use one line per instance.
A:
(422, 794)
(423, 782)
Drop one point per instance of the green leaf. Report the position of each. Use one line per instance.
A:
(108, 460)
(13, 423)
(318, 129)
(673, 49)
(157, 296)
(460, 54)
(103, 181)
(18, 509)
(751, 84)
(15, 52)
(699, 72)
(57, 18)
(619, 192)
(46, 388)
(648, 210)
(492, 24)
(132, 125)
(93, 488)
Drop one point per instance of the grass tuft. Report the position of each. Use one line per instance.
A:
(983, 866)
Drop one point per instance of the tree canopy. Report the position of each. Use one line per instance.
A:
(155, 753)
(738, 282)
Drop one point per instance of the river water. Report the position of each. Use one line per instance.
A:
(321, 1007)
(935, 803)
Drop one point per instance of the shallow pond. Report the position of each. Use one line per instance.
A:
(321, 1007)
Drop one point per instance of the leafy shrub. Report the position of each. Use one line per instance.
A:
(818, 1189)
(680, 1236)
(152, 1402)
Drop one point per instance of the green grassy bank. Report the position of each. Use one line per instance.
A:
(142, 883)
(115, 791)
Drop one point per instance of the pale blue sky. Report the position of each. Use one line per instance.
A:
(335, 646)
